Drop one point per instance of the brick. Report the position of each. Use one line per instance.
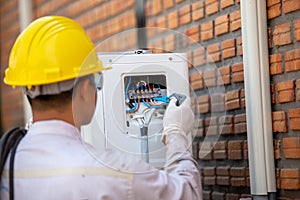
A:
(168, 4)
(240, 128)
(279, 116)
(297, 30)
(211, 130)
(272, 2)
(240, 118)
(226, 3)
(292, 60)
(238, 171)
(206, 195)
(274, 9)
(232, 196)
(217, 98)
(199, 57)
(292, 153)
(196, 76)
(224, 70)
(228, 119)
(235, 20)
(194, 34)
(228, 48)
(211, 6)
(235, 145)
(204, 105)
(220, 154)
(223, 180)
(233, 104)
(235, 154)
(209, 180)
(291, 142)
(223, 75)
(238, 182)
(222, 25)
(294, 113)
(185, 15)
(205, 152)
(213, 53)
(282, 34)
(218, 196)
(207, 31)
(290, 184)
(290, 173)
(211, 121)
(173, 20)
(210, 73)
(199, 133)
(203, 99)
(222, 171)
(169, 42)
(280, 127)
(156, 7)
(291, 147)
(237, 72)
(286, 96)
(285, 91)
(276, 64)
(209, 171)
(197, 10)
(209, 77)
(279, 121)
(291, 5)
(231, 95)
(222, 145)
(227, 128)
(198, 84)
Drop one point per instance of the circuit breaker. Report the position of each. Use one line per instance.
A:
(132, 102)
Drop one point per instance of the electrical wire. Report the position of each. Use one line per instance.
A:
(127, 87)
(135, 108)
(149, 106)
(8, 144)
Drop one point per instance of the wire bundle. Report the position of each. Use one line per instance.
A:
(8, 144)
(147, 93)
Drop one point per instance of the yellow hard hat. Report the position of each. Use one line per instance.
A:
(51, 49)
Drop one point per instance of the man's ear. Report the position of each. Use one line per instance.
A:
(83, 88)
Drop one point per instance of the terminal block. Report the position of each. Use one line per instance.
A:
(149, 90)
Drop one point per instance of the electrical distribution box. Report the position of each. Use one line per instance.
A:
(132, 102)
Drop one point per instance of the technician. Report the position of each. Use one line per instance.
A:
(56, 65)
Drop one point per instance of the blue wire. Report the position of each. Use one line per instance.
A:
(134, 108)
(127, 87)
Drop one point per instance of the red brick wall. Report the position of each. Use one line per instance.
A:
(284, 48)
(216, 25)
(11, 101)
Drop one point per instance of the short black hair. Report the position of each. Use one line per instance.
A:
(57, 101)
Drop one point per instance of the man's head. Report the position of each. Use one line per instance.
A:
(55, 62)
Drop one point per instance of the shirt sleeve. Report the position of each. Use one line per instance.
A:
(180, 178)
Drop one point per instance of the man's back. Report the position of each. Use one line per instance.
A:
(52, 162)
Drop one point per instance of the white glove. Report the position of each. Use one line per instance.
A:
(178, 119)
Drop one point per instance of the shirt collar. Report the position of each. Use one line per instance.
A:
(53, 127)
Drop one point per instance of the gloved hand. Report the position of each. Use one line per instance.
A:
(178, 119)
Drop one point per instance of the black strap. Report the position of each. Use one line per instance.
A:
(9, 143)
